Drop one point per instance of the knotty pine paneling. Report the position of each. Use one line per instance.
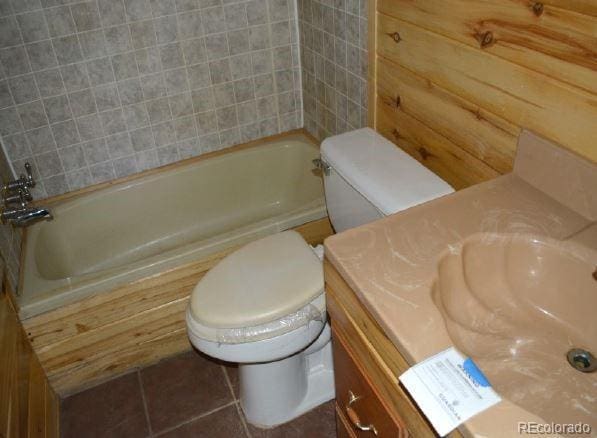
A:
(555, 42)
(458, 105)
(28, 405)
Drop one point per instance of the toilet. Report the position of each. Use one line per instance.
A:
(263, 306)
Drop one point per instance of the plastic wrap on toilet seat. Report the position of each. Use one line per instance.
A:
(314, 311)
(276, 328)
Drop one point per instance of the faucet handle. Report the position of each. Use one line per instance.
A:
(29, 181)
(22, 197)
(21, 183)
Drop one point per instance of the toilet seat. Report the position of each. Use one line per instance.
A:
(313, 311)
(275, 347)
(269, 287)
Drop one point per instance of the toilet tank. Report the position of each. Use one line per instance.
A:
(369, 178)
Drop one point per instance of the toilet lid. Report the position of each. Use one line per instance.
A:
(261, 282)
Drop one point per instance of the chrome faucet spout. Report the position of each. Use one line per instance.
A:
(16, 198)
(23, 217)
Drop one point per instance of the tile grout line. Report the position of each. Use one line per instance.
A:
(190, 420)
(228, 381)
(238, 408)
(144, 400)
(239, 411)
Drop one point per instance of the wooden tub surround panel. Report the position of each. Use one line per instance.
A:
(97, 338)
(456, 81)
(28, 405)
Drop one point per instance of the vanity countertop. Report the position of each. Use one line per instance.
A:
(391, 263)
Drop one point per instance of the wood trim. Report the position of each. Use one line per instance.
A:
(307, 134)
(374, 351)
(157, 170)
(105, 335)
(28, 405)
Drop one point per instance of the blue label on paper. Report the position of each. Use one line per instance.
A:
(475, 373)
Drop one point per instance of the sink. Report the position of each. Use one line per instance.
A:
(525, 309)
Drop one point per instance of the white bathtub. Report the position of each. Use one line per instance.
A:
(139, 228)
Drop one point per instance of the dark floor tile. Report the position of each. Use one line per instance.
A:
(225, 423)
(232, 372)
(113, 409)
(181, 388)
(318, 423)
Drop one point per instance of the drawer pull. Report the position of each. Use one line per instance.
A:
(354, 417)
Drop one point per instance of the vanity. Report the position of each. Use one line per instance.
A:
(503, 271)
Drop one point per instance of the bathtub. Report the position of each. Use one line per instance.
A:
(136, 229)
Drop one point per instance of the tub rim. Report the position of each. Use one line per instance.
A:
(137, 178)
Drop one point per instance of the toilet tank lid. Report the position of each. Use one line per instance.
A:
(380, 171)
(261, 282)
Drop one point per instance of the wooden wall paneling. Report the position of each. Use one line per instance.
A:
(587, 7)
(105, 308)
(52, 412)
(523, 97)
(28, 405)
(8, 367)
(556, 42)
(98, 369)
(72, 353)
(36, 397)
(105, 335)
(487, 137)
(452, 163)
(26, 377)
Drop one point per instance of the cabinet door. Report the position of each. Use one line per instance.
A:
(357, 400)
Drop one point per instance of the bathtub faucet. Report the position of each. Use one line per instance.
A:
(23, 216)
(16, 198)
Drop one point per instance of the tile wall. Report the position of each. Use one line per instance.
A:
(10, 237)
(333, 39)
(94, 90)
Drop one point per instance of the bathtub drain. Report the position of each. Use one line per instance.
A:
(582, 360)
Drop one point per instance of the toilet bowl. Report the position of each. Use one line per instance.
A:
(263, 306)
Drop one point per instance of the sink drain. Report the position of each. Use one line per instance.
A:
(582, 360)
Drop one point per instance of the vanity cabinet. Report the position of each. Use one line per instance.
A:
(360, 410)
(367, 366)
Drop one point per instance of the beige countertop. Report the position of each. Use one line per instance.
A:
(391, 263)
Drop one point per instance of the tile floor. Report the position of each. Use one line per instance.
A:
(185, 396)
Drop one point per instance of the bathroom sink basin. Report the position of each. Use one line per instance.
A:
(525, 309)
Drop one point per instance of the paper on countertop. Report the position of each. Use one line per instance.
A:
(449, 388)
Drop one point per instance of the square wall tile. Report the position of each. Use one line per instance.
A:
(120, 86)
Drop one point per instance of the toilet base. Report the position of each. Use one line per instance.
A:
(276, 392)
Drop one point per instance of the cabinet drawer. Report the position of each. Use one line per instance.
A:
(356, 398)
(343, 427)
